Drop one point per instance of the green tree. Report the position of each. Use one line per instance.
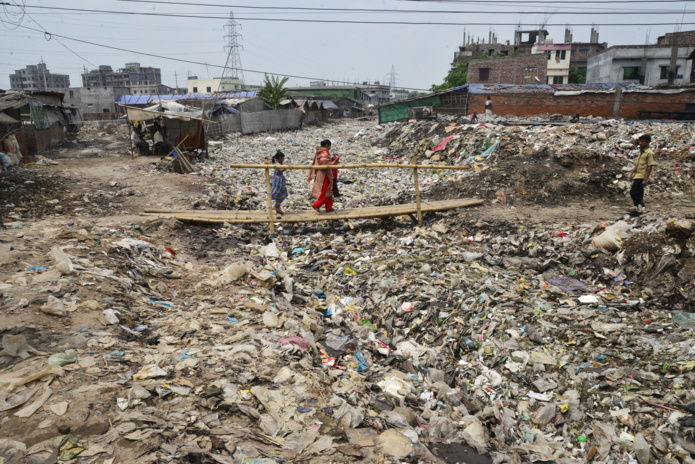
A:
(457, 76)
(577, 76)
(273, 91)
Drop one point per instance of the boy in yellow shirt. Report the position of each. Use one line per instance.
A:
(640, 174)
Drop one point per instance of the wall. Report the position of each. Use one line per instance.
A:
(264, 121)
(608, 66)
(92, 100)
(677, 38)
(33, 141)
(507, 70)
(532, 104)
(226, 124)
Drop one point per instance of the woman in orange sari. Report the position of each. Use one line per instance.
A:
(323, 178)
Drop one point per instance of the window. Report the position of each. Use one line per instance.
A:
(573, 53)
(106, 110)
(563, 54)
(530, 75)
(665, 70)
(483, 74)
(195, 89)
(584, 52)
(71, 94)
(631, 73)
(557, 79)
(550, 55)
(209, 89)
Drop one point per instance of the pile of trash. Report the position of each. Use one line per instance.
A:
(473, 338)
(542, 164)
(496, 342)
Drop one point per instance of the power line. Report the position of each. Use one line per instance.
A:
(390, 10)
(181, 60)
(48, 36)
(335, 21)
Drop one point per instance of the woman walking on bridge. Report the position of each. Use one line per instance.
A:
(323, 178)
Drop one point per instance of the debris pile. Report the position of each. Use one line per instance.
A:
(473, 338)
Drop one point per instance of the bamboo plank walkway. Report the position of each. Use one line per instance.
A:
(261, 216)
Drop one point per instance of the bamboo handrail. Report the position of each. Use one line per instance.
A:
(350, 166)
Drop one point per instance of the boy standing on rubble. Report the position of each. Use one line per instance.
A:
(641, 172)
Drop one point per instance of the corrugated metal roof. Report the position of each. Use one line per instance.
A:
(12, 101)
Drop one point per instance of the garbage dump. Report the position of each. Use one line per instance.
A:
(486, 335)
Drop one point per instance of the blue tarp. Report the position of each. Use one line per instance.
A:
(148, 99)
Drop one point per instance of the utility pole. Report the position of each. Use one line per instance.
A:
(232, 68)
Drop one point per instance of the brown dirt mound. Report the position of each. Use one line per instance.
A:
(541, 177)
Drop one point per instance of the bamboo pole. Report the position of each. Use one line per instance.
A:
(417, 194)
(270, 201)
(172, 151)
(351, 166)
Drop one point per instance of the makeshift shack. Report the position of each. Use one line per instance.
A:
(184, 123)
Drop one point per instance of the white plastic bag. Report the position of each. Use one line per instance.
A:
(63, 263)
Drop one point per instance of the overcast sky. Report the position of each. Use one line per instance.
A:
(421, 54)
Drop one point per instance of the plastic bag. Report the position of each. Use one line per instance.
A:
(610, 240)
(5, 160)
(54, 306)
(63, 263)
(16, 346)
(61, 359)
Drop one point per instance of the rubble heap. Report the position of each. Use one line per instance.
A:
(472, 338)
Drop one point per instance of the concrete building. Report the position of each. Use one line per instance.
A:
(524, 43)
(214, 85)
(524, 69)
(91, 100)
(140, 80)
(399, 94)
(558, 61)
(649, 65)
(38, 78)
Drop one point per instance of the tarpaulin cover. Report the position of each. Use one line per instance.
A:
(39, 115)
(399, 110)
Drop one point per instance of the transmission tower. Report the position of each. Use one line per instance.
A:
(232, 68)
(393, 80)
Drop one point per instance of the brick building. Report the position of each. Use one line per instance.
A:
(526, 69)
(525, 43)
(38, 78)
(605, 100)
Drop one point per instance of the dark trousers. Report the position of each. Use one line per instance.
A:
(637, 192)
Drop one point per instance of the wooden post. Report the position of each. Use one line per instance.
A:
(130, 136)
(417, 193)
(270, 201)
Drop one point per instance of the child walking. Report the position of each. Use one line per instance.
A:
(278, 185)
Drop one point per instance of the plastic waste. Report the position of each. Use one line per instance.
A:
(62, 359)
(16, 346)
(270, 320)
(683, 319)
(62, 262)
(54, 306)
(610, 240)
(544, 415)
(111, 316)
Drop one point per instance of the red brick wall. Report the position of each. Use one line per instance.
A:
(594, 104)
(507, 70)
(32, 141)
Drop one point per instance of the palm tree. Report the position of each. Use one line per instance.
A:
(273, 91)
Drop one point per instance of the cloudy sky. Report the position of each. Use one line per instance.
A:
(421, 53)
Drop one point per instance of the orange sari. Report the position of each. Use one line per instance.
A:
(319, 176)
